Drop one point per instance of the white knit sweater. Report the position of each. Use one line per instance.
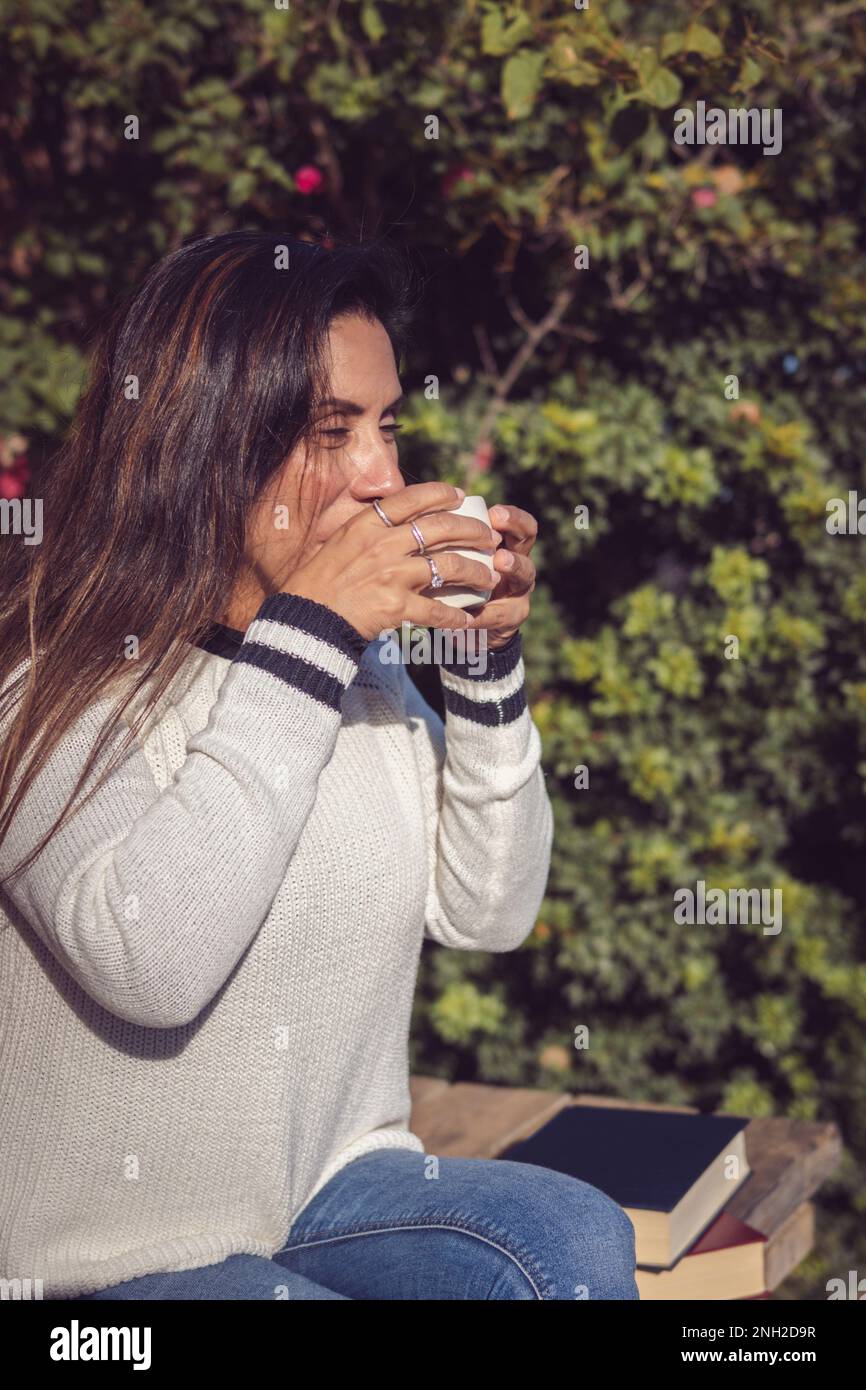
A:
(206, 977)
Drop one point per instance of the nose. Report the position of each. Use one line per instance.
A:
(376, 475)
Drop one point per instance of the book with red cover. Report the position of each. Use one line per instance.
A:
(726, 1262)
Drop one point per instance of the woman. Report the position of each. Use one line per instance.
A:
(234, 824)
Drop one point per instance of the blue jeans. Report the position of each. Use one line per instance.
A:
(381, 1228)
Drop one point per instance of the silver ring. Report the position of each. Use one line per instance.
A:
(379, 512)
(436, 581)
(419, 538)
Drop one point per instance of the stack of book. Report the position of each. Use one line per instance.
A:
(674, 1174)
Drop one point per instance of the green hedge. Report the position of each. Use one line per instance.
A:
(606, 387)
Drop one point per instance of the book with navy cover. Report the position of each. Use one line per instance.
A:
(672, 1173)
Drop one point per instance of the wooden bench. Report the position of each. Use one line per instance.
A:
(789, 1158)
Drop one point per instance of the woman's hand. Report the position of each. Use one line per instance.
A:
(508, 605)
(371, 573)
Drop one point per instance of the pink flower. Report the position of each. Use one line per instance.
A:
(746, 410)
(483, 458)
(309, 179)
(13, 483)
(705, 197)
(461, 173)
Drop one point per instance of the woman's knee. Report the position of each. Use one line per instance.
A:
(567, 1238)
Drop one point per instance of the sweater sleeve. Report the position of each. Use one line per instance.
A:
(148, 898)
(488, 815)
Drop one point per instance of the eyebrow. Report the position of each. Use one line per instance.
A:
(352, 407)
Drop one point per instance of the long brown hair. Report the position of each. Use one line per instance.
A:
(201, 384)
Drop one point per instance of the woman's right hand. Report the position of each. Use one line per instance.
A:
(371, 574)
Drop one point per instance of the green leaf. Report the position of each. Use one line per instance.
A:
(90, 263)
(750, 73)
(210, 89)
(647, 64)
(59, 262)
(180, 39)
(40, 37)
(240, 187)
(492, 31)
(499, 38)
(658, 86)
(372, 22)
(275, 23)
(671, 43)
(521, 79)
(699, 39)
(229, 106)
(568, 67)
(429, 96)
(165, 140)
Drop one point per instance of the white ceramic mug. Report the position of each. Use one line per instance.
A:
(455, 595)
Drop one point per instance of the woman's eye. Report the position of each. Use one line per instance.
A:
(338, 434)
(334, 438)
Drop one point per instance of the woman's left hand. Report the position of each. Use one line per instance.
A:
(508, 605)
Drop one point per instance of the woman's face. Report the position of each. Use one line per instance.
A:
(355, 460)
